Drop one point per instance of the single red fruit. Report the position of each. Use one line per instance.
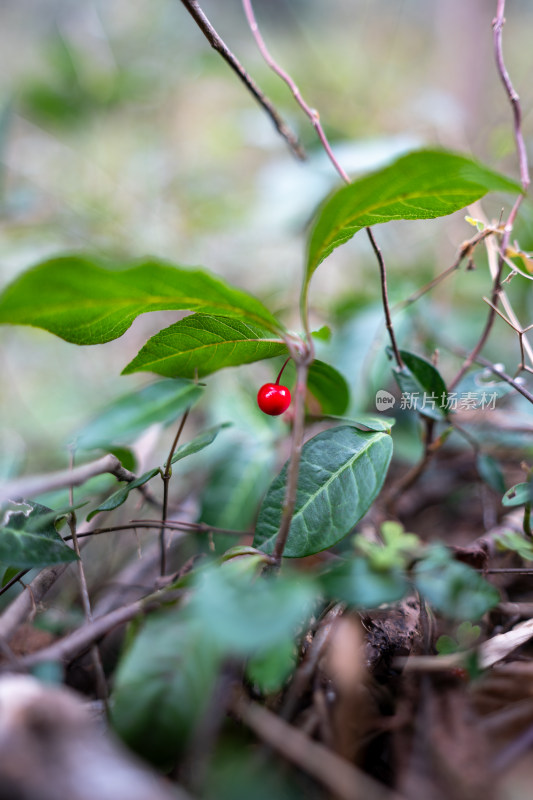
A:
(273, 399)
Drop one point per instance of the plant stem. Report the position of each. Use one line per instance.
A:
(217, 44)
(100, 681)
(385, 297)
(302, 370)
(166, 479)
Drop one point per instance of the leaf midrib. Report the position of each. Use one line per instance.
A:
(398, 198)
(324, 486)
(192, 350)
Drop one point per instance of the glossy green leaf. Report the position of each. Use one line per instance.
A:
(342, 471)
(86, 302)
(453, 588)
(422, 385)
(28, 537)
(517, 495)
(361, 585)
(120, 496)
(420, 185)
(163, 686)
(329, 387)
(128, 416)
(204, 343)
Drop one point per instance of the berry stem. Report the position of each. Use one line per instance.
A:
(281, 370)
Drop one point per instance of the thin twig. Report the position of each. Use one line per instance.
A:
(308, 666)
(219, 45)
(385, 298)
(312, 113)
(80, 640)
(166, 480)
(514, 99)
(466, 250)
(497, 25)
(100, 681)
(177, 525)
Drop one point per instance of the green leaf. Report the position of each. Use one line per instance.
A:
(342, 471)
(120, 496)
(329, 387)
(517, 495)
(202, 344)
(244, 614)
(87, 302)
(128, 416)
(396, 549)
(162, 686)
(28, 537)
(453, 588)
(511, 540)
(236, 486)
(421, 185)
(490, 472)
(423, 384)
(270, 669)
(361, 585)
(367, 422)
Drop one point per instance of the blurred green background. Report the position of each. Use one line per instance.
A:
(123, 133)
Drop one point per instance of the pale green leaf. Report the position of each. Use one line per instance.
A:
(85, 301)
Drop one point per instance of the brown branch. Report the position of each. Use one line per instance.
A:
(339, 776)
(80, 640)
(40, 484)
(311, 113)
(219, 45)
(497, 26)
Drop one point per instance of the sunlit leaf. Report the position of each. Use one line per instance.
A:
(202, 344)
(86, 302)
(420, 185)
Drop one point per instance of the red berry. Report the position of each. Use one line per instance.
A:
(273, 399)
